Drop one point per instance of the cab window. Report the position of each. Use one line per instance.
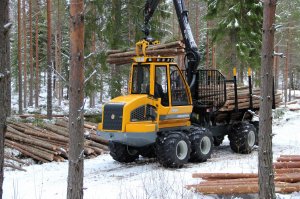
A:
(161, 85)
(140, 79)
(179, 95)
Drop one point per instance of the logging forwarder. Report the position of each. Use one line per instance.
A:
(181, 123)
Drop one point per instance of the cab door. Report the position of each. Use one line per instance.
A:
(175, 112)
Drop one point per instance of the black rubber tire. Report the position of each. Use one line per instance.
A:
(122, 153)
(201, 144)
(218, 140)
(256, 125)
(173, 149)
(242, 137)
(148, 151)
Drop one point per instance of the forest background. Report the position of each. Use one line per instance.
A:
(228, 34)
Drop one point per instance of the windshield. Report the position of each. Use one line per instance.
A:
(140, 79)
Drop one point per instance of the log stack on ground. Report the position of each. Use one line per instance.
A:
(287, 179)
(50, 142)
(120, 57)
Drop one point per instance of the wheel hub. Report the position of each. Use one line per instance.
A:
(181, 150)
(205, 145)
(251, 138)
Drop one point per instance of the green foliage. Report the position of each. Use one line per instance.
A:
(242, 20)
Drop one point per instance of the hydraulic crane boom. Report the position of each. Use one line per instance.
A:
(192, 55)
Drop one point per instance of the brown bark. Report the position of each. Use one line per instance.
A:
(49, 62)
(288, 177)
(25, 152)
(246, 188)
(288, 159)
(224, 175)
(228, 189)
(4, 78)
(207, 45)
(37, 73)
(56, 129)
(265, 154)
(276, 69)
(31, 55)
(286, 68)
(75, 174)
(59, 91)
(24, 52)
(30, 140)
(39, 134)
(32, 150)
(279, 165)
(285, 170)
(20, 60)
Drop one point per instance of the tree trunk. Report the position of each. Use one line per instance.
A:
(207, 46)
(31, 55)
(20, 59)
(49, 62)
(4, 77)
(76, 151)
(58, 87)
(37, 73)
(24, 53)
(276, 69)
(265, 159)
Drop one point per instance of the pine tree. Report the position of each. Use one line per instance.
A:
(265, 154)
(4, 77)
(49, 62)
(76, 151)
(239, 25)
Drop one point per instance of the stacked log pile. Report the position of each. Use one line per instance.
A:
(244, 98)
(50, 142)
(287, 179)
(120, 57)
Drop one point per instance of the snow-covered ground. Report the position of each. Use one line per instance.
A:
(145, 179)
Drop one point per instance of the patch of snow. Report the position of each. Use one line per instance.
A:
(108, 179)
(236, 23)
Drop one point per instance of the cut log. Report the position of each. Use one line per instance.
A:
(54, 128)
(24, 152)
(35, 151)
(278, 165)
(290, 170)
(95, 144)
(40, 116)
(32, 141)
(227, 189)
(224, 175)
(249, 188)
(38, 134)
(290, 177)
(286, 188)
(288, 159)
(217, 181)
(97, 139)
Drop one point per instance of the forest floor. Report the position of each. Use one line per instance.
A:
(144, 179)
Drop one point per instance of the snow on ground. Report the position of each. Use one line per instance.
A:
(107, 179)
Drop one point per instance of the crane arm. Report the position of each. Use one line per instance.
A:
(192, 55)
